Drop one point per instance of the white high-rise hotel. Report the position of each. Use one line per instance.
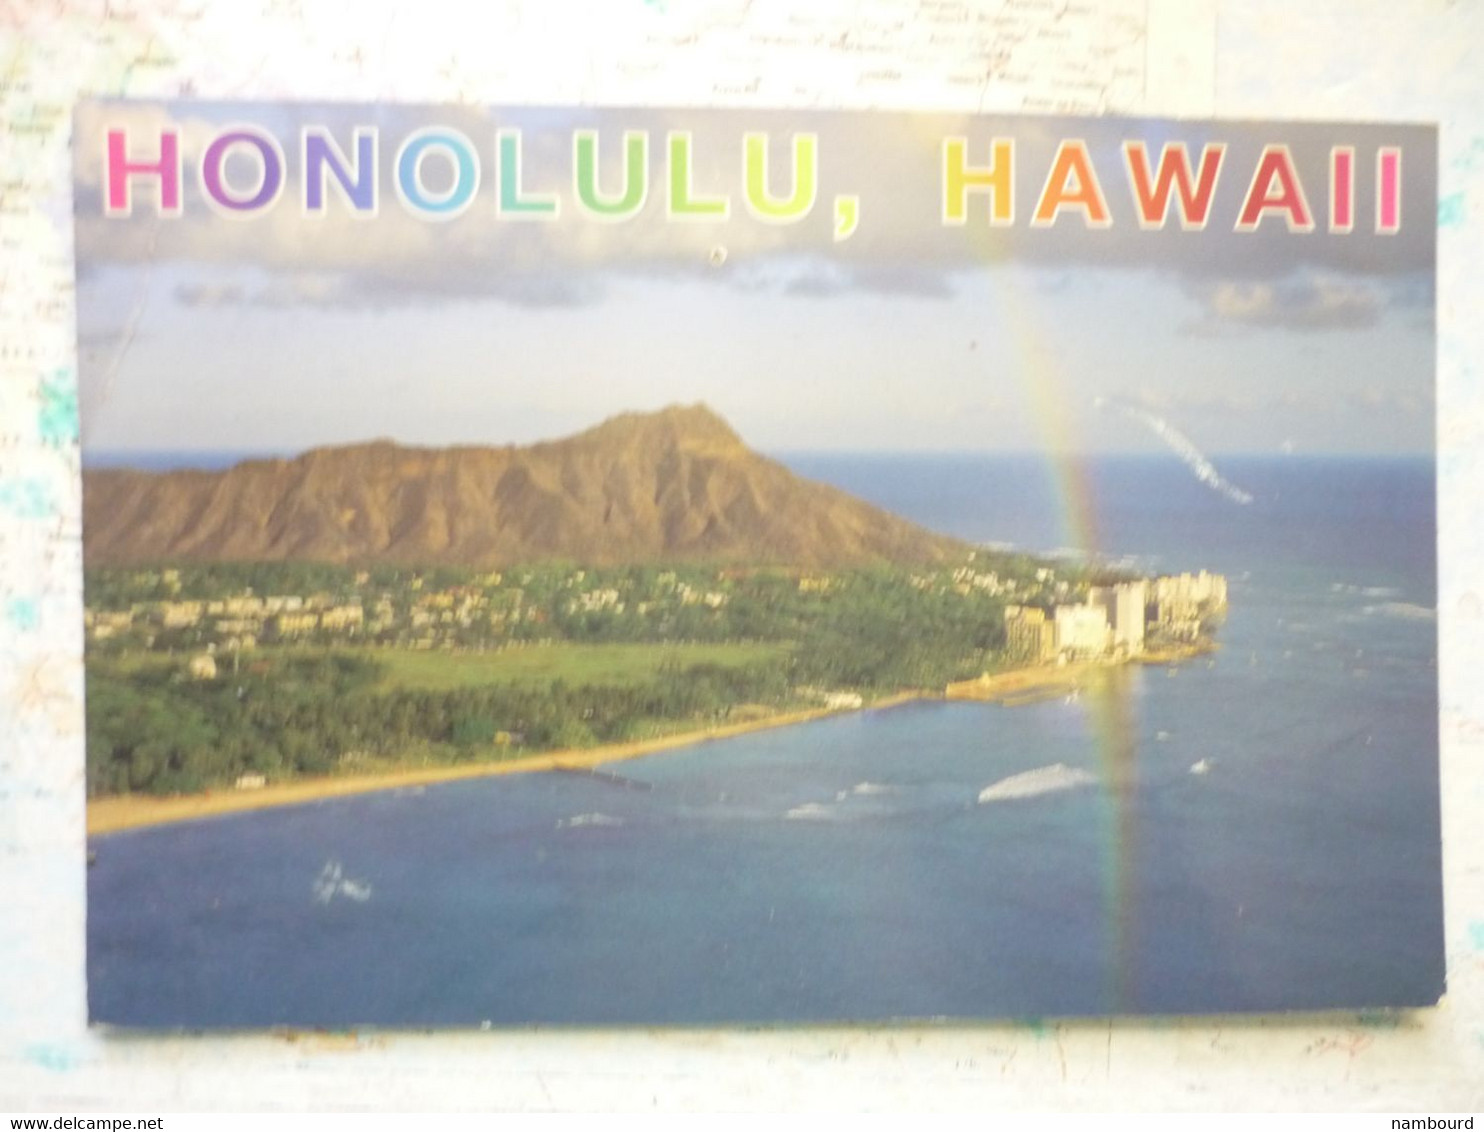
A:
(1126, 605)
(1115, 620)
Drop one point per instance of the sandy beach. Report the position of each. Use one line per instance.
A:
(1017, 686)
(1028, 685)
(133, 811)
(1024, 685)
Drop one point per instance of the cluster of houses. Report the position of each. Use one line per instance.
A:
(237, 623)
(414, 616)
(1112, 621)
(966, 580)
(1116, 621)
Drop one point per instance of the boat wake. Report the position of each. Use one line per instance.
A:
(1033, 783)
(1181, 445)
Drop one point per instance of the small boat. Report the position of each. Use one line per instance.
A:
(1202, 767)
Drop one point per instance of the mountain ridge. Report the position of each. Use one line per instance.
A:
(678, 484)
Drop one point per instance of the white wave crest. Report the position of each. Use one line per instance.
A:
(1031, 783)
(333, 882)
(1182, 446)
(1364, 591)
(810, 811)
(1403, 609)
(578, 821)
(865, 790)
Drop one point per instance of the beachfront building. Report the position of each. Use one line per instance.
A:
(1194, 591)
(1126, 606)
(842, 701)
(1029, 634)
(1082, 632)
(1180, 603)
(1116, 622)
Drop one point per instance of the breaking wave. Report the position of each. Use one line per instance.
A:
(1363, 591)
(1042, 780)
(1182, 446)
(1404, 609)
(856, 803)
(578, 821)
(811, 811)
(865, 789)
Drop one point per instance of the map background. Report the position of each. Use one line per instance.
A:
(1414, 60)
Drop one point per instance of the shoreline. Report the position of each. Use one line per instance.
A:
(1026, 685)
(1016, 686)
(1010, 688)
(120, 812)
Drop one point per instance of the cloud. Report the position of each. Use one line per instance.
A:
(1378, 402)
(531, 290)
(1215, 405)
(286, 290)
(102, 338)
(813, 279)
(1188, 400)
(1307, 302)
(198, 294)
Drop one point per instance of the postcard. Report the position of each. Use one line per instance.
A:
(691, 567)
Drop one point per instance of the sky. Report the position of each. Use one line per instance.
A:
(282, 331)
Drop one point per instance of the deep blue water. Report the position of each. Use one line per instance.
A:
(845, 869)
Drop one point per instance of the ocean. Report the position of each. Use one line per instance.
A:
(1252, 831)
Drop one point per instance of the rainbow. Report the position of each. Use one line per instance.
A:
(1110, 716)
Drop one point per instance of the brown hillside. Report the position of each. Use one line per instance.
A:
(676, 485)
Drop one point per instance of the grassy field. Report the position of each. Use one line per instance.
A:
(611, 664)
(445, 670)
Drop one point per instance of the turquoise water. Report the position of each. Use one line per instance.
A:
(1256, 832)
